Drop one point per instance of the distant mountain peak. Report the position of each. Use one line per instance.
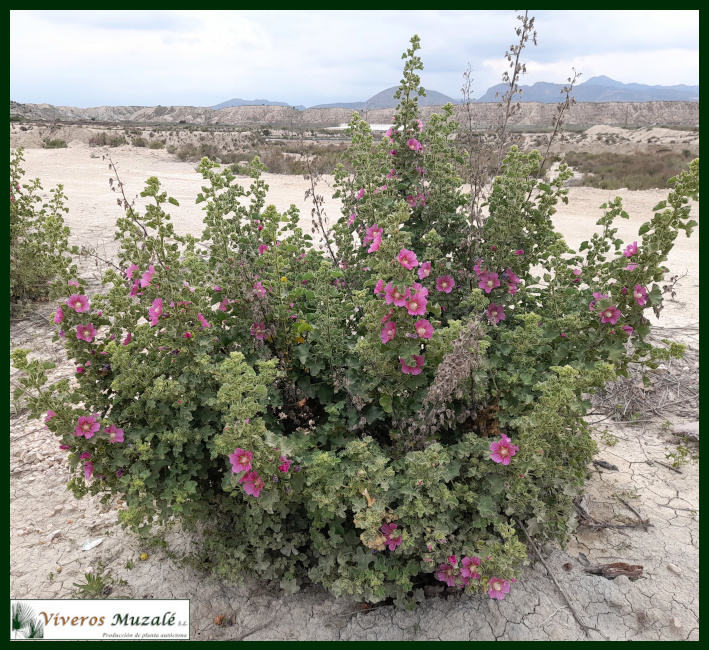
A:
(385, 99)
(598, 89)
(230, 103)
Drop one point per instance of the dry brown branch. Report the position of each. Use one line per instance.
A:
(584, 627)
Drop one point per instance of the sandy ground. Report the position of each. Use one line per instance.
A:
(48, 526)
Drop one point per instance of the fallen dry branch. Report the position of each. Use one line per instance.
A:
(673, 391)
(659, 462)
(615, 569)
(584, 627)
(646, 522)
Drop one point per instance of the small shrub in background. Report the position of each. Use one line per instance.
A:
(39, 248)
(375, 416)
(55, 144)
(98, 139)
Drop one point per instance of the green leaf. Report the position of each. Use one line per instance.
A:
(487, 507)
(173, 201)
(385, 403)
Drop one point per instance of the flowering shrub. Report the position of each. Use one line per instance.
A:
(39, 248)
(363, 417)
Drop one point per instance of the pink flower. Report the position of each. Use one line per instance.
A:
(599, 296)
(447, 574)
(576, 272)
(216, 287)
(50, 414)
(420, 125)
(627, 329)
(392, 174)
(389, 132)
(59, 316)
(388, 316)
(511, 277)
(610, 315)
(503, 450)
(488, 281)
(375, 243)
(252, 484)
(259, 330)
(285, 465)
(114, 433)
(392, 539)
(79, 303)
(86, 332)
(467, 567)
(498, 588)
(359, 194)
(187, 335)
(394, 295)
(130, 269)
(413, 370)
(155, 312)
(640, 294)
(424, 270)
(388, 332)
(86, 426)
(416, 305)
(478, 268)
(379, 288)
(147, 277)
(511, 289)
(631, 249)
(372, 232)
(631, 267)
(134, 290)
(352, 218)
(452, 560)
(73, 283)
(414, 144)
(260, 291)
(423, 328)
(262, 249)
(127, 340)
(203, 320)
(519, 252)
(88, 469)
(223, 304)
(240, 460)
(407, 259)
(446, 283)
(495, 313)
(422, 291)
(380, 189)
(411, 200)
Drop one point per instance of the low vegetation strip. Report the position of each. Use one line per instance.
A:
(612, 171)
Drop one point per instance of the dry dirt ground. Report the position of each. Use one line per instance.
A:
(48, 526)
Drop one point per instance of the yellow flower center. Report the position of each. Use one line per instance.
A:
(504, 452)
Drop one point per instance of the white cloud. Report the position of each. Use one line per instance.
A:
(647, 67)
(309, 57)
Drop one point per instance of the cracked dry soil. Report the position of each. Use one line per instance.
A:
(48, 527)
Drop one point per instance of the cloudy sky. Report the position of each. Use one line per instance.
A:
(201, 58)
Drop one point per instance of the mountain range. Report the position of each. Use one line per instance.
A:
(598, 89)
(595, 89)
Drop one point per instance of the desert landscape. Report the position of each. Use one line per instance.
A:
(635, 484)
